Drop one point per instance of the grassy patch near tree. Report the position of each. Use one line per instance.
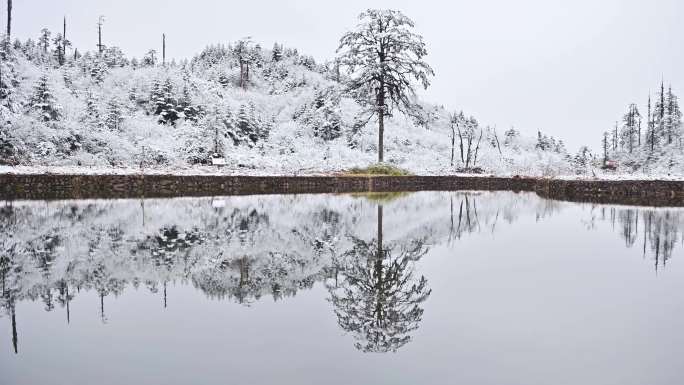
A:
(378, 169)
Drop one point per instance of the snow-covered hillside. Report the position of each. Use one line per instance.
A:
(290, 116)
(266, 111)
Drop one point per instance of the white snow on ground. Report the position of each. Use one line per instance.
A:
(293, 119)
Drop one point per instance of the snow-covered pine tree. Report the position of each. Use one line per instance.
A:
(511, 137)
(247, 130)
(659, 114)
(244, 52)
(150, 59)
(92, 110)
(44, 40)
(652, 137)
(9, 81)
(582, 160)
(673, 118)
(323, 114)
(383, 56)
(115, 115)
(277, 53)
(629, 127)
(98, 71)
(187, 110)
(605, 148)
(68, 82)
(43, 101)
(164, 104)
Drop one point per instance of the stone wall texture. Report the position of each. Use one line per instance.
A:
(50, 186)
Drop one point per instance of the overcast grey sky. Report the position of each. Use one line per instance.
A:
(569, 68)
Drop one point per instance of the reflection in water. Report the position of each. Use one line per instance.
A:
(241, 249)
(378, 298)
(656, 231)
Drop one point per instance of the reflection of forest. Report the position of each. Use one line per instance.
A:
(244, 248)
(656, 231)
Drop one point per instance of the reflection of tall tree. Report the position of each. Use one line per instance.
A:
(467, 221)
(661, 230)
(378, 298)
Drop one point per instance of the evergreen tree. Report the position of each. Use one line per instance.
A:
(9, 80)
(673, 117)
(277, 54)
(629, 128)
(164, 104)
(659, 114)
(582, 160)
(98, 71)
(44, 40)
(92, 111)
(247, 129)
(150, 59)
(244, 52)
(186, 108)
(43, 101)
(651, 132)
(605, 148)
(115, 115)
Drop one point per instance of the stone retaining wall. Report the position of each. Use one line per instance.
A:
(49, 186)
(627, 192)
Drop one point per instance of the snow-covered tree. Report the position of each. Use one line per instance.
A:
(323, 114)
(115, 115)
(98, 71)
(43, 101)
(277, 52)
(150, 59)
(673, 118)
(92, 110)
(44, 40)
(114, 57)
(244, 52)
(9, 81)
(247, 126)
(383, 57)
(583, 160)
(163, 102)
(630, 122)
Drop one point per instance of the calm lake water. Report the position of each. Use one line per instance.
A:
(424, 288)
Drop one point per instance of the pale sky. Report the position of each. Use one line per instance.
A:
(569, 68)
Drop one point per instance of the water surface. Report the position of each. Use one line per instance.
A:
(424, 288)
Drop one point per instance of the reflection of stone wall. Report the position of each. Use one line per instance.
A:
(658, 193)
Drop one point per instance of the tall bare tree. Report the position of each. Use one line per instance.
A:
(163, 49)
(9, 19)
(100, 47)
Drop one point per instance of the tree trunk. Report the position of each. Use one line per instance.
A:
(9, 19)
(460, 138)
(164, 50)
(99, 38)
(381, 132)
(477, 149)
(498, 145)
(14, 328)
(453, 143)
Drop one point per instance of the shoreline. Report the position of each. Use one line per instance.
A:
(46, 186)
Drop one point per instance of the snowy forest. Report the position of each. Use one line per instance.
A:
(249, 249)
(275, 110)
